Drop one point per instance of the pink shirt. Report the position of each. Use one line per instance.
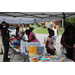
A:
(30, 37)
(50, 45)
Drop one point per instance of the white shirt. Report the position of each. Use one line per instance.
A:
(55, 32)
(20, 34)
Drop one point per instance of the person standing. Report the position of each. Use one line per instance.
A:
(3, 32)
(55, 34)
(68, 40)
(5, 40)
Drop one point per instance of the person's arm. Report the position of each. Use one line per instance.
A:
(17, 36)
(57, 32)
(22, 35)
(48, 47)
(8, 40)
(33, 38)
(54, 49)
(63, 42)
(29, 40)
(0, 32)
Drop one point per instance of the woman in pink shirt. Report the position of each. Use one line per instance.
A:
(32, 37)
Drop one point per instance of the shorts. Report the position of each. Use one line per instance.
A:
(54, 37)
(48, 51)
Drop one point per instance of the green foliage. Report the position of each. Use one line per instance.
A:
(38, 25)
(71, 20)
(32, 24)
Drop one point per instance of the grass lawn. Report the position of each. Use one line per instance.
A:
(45, 31)
(40, 30)
(60, 32)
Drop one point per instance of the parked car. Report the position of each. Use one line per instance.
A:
(12, 30)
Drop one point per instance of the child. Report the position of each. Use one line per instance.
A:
(49, 43)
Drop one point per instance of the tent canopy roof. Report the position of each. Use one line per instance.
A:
(28, 17)
(51, 15)
(22, 20)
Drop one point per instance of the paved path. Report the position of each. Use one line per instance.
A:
(40, 37)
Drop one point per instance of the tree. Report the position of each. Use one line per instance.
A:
(71, 20)
(58, 22)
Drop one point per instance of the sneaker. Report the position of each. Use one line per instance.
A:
(8, 59)
(1, 53)
(5, 60)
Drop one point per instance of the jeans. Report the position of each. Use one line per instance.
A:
(6, 49)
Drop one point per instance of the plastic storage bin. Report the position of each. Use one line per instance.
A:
(15, 42)
(32, 49)
(40, 50)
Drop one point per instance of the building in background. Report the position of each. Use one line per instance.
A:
(48, 24)
(20, 25)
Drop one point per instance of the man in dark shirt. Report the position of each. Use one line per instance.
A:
(5, 40)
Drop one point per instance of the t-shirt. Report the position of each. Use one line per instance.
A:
(50, 45)
(20, 34)
(7, 32)
(55, 32)
(1, 27)
(30, 37)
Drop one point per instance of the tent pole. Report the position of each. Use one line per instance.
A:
(62, 25)
(62, 34)
(35, 26)
(23, 26)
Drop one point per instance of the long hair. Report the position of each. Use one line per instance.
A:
(66, 29)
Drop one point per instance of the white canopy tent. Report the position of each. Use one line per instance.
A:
(30, 17)
(50, 15)
(23, 20)
(33, 17)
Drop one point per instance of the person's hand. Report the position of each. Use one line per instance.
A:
(25, 40)
(23, 33)
(67, 46)
(0, 33)
(53, 50)
(11, 43)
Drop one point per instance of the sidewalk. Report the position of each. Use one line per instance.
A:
(18, 58)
